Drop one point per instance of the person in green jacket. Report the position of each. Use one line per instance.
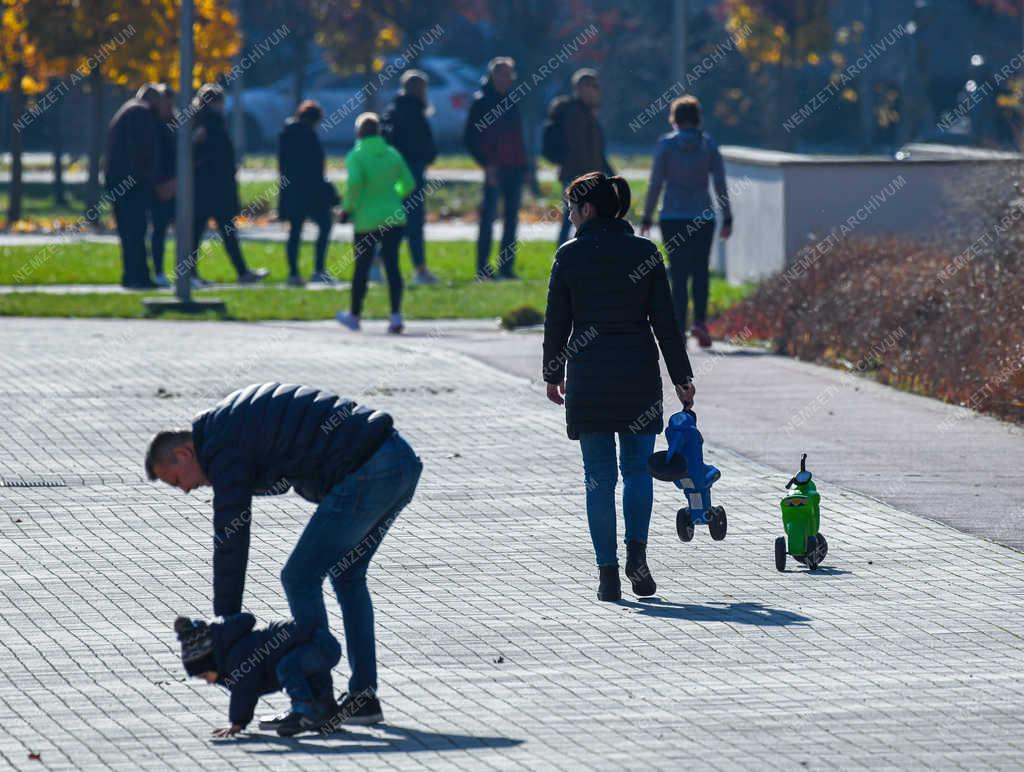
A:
(378, 183)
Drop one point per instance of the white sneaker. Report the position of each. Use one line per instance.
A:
(395, 325)
(161, 281)
(347, 319)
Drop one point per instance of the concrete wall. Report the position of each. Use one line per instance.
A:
(782, 202)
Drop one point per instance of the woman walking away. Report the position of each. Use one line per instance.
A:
(608, 292)
(216, 190)
(378, 183)
(683, 160)
(304, 192)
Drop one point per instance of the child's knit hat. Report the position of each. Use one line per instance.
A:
(196, 645)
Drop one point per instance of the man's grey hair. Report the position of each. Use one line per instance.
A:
(148, 92)
(584, 74)
(162, 446)
(501, 61)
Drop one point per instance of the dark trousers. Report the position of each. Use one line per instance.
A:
(161, 213)
(509, 189)
(130, 215)
(688, 244)
(415, 214)
(323, 238)
(227, 232)
(390, 239)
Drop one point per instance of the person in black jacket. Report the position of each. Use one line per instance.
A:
(161, 210)
(405, 126)
(494, 137)
(130, 176)
(304, 192)
(251, 663)
(346, 457)
(608, 292)
(215, 188)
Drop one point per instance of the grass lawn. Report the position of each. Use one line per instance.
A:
(459, 295)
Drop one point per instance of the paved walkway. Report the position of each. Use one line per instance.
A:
(457, 230)
(903, 652)
(45, 176)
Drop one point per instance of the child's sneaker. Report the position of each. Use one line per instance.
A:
(294, 723)
(362, 708)
(271, 723)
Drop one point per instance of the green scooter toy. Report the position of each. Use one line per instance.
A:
(801, 519)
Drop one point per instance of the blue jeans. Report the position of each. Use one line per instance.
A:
(339, 542)
(415, 209)
(305, 671)
(601, 477)
(509, 188)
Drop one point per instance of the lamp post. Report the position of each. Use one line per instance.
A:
(184, 190)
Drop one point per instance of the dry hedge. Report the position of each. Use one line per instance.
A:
(943, 317)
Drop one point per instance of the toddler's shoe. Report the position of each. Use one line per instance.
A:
(395, 325)
(348, 319)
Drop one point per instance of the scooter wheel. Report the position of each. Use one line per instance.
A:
(780, 553)
(718, 525)
(822, 547)
(684, 524)
(812, 558)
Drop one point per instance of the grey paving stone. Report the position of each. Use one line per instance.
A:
(904, 652)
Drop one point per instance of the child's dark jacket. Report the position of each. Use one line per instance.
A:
(247, 659)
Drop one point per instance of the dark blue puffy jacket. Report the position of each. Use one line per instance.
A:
(263, 440)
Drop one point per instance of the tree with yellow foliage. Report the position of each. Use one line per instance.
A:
(127, 43)
(23, 71)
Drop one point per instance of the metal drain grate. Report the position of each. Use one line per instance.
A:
(30, 483)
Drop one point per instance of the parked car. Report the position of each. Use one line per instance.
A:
(343, 97)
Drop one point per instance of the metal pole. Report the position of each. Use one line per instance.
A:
(238, 116)
(680, 23)
(183, 215)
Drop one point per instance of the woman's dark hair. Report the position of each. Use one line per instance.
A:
(309, 110)
(609, 196)
(686, 111)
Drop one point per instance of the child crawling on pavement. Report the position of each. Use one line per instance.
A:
(251, 663)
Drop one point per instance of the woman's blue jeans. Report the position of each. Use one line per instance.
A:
(601, 476)
(339, 542)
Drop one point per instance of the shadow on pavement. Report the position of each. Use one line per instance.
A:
(740, 613)
(386, 739)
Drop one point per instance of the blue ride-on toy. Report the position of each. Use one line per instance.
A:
(683, 464)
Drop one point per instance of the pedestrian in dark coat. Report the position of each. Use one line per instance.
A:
(494, 137)
(130, 175)
(345, 457)
(305, 193)
(684, 161)
(215, 187)
(251, 663)
(161, 211)
(583, 148)
(405, 126)
(608, 301)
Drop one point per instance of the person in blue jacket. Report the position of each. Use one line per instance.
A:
(251, 663)
(345, 457)
(684, 161)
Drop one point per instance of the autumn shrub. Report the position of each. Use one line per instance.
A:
(942, 316)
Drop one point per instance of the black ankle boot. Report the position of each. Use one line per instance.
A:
(609, 587)
(637, 569)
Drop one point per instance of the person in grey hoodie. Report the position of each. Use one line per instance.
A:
(683, 161)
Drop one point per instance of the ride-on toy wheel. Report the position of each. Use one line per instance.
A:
(780, 553)
(813, 556)
(718, 525)
(684, 524)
